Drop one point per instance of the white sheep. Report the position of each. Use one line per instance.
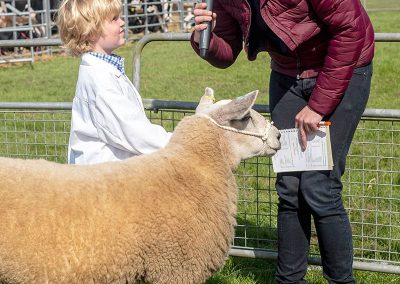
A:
(166, 217)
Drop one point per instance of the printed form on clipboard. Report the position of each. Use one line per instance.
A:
(317, 156)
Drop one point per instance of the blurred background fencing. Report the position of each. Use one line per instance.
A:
(371, 182)
(29, 19)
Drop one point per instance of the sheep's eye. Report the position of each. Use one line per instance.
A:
(246, 118)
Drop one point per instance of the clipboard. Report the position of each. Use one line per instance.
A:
(291, 158)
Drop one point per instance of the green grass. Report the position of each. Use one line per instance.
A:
(381, 4)
(247, 271)
(171, 71)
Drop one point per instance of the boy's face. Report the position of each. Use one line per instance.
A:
(112, 37)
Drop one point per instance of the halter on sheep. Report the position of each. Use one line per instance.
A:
(207, 106)
(263, 136)
(163, 218)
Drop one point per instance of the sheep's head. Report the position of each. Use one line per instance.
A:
(249, 133)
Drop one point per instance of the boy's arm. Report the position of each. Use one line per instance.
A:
(122, 123)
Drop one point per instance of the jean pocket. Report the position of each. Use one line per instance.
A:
(308, 86)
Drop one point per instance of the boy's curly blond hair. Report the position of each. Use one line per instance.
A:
(80, 22)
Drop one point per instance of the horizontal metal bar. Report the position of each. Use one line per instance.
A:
(15, 60)
(382, 37)
(12, 8)
(379, 37)
(155, 105)
(387, 113)
(393, 9)
(30, 42)
(16, 29)
(260, 253)
(36, 105)
(387, 37)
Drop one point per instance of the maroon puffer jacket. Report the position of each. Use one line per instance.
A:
(326, 38)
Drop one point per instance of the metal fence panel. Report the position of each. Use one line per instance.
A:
(34, 19)
(41, 134)
(371, 190)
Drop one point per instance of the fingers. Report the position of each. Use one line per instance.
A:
(200, 6)
(307, 121)
(302, 135)
(310, 127)
(201, 14)
(201, 17)
(303, 139)
(304, 130)
(200, 27)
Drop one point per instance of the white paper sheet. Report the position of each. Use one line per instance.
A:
(317, 156)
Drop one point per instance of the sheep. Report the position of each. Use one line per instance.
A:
(166, 217)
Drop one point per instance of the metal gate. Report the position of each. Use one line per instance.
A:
(371, 190)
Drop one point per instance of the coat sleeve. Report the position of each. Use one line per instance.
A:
(345, 23)
(121, 122)
(226, 40)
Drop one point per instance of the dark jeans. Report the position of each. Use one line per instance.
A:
(316, 193)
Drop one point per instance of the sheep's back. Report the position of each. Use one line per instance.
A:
(189, 222)
(60, 223)
(165, 215)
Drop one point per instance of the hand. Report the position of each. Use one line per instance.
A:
(202, 15)
(307, 121)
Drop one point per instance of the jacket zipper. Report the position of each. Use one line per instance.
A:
(298, 65)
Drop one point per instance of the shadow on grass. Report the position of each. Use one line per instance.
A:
(240, 270)
(245, 271)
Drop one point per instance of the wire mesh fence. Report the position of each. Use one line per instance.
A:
(34, 135)
(371, 182)
(26, 19)
(32, 19)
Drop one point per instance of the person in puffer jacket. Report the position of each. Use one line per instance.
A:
(321, 59)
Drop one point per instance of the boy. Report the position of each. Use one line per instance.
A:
(108, 120)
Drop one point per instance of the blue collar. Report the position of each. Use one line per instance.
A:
(113, 59)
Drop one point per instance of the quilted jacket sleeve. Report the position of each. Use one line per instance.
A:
(226, 40)
(346, 24)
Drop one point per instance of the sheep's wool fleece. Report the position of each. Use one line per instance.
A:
(166, 217)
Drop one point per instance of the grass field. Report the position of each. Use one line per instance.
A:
(171, 71)
(381, 5)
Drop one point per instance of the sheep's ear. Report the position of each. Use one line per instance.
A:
(208, 97)
(206, 100)
(236, 109)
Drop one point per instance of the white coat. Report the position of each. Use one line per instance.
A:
(108, 120)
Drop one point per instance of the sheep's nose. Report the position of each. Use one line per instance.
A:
(279, 135)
